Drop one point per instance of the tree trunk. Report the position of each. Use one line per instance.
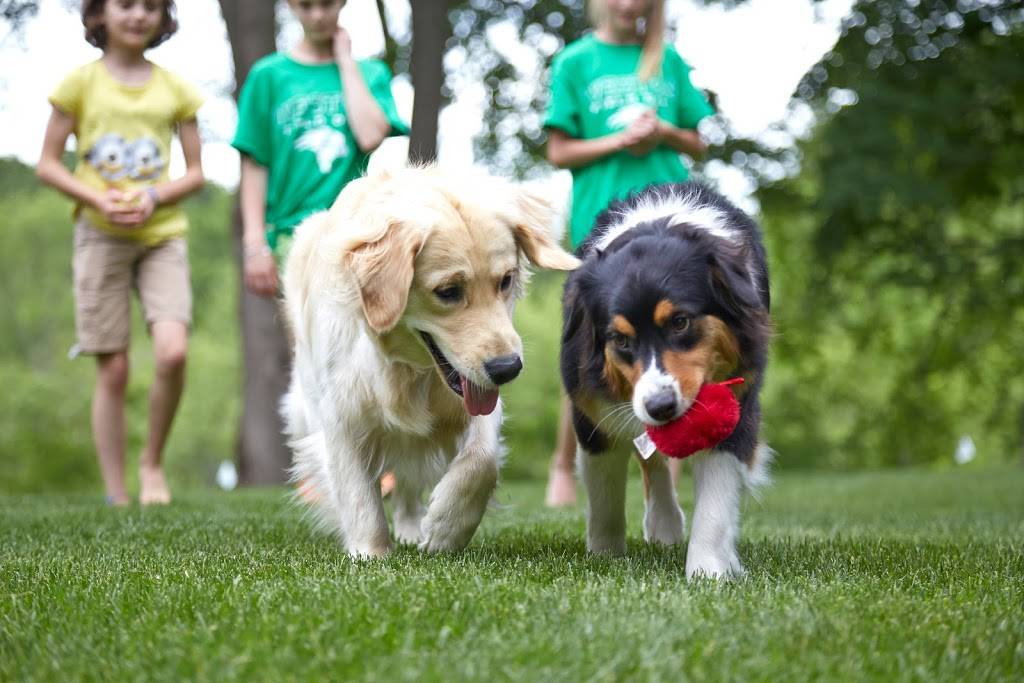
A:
(263, 456)
(430, 31)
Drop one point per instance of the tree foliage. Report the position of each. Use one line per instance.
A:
(899, 244)
(16, 12)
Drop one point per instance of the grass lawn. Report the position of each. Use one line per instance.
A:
(908, 575)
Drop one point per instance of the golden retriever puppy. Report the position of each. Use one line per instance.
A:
(400, 301)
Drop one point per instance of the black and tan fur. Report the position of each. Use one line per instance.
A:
(673, 292)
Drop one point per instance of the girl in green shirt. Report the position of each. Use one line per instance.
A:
(622, 110)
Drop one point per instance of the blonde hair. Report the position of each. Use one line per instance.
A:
(652, 47)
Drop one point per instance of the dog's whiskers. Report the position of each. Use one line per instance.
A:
(615, 412)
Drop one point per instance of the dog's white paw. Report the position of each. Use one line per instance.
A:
(368, 551)
(407, 528)
(665, 525)
(721, 565)
(440, 536)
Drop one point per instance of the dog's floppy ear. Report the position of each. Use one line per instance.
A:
(732, 285)
(532, 229)
(383, 269)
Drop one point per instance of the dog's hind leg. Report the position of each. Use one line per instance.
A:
(718, 481)
(604, 477)
(664, 521)
(458, 502)
(409, 509)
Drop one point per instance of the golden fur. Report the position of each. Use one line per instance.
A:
(361, 289)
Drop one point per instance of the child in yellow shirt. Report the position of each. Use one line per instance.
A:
(129, 231)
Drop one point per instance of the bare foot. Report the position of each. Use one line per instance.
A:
(153, 486)
(118, 501)
(561, 488)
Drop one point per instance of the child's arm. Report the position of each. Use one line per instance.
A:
(565, 151)
(681, 139)
(365, 117)
(51, 171)
(145, 200)
(260, 271)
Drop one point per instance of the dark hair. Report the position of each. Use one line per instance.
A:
(96, 32)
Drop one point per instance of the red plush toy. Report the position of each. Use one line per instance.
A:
(712, 417)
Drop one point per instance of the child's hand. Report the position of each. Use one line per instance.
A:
(342, 45)
(114, 206)
(143, 205)
(260, 271)
(643, 134)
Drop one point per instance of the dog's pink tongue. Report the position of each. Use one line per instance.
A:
(479, 401)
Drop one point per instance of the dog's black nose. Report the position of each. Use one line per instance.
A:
(662, 405)
(504, 368)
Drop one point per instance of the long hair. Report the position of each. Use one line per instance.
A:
(652, 47)
(96, 32)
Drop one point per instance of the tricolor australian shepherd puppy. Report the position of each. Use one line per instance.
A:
(672, 293)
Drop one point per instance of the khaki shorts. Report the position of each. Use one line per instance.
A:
(107, 268)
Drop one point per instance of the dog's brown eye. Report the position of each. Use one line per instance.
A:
(449, 294)
(506, 282)
(620, 341)
(679, 323)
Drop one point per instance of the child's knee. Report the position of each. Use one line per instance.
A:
(113, 371)
(170, 346)
(170, 357)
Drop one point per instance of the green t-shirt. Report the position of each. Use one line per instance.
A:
(595, 91)
(292, 120)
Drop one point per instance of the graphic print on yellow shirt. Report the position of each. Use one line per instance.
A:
(124, 137)
(114, 158)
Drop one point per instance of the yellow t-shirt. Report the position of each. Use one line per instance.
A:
(124, 138)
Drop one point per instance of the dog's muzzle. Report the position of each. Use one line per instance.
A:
(478, 400)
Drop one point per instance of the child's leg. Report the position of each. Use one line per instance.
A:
(170, 341)
(108, 422)
(561, 489)
(163, 284)
(102, 268)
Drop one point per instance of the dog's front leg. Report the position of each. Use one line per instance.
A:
(718, 482)
(357, 500)
(458, 502)
(604, 477)
(664, 521)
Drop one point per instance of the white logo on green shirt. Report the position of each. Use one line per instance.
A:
(311, 110)
(617, 93)
(315, 120)
(327, 143)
